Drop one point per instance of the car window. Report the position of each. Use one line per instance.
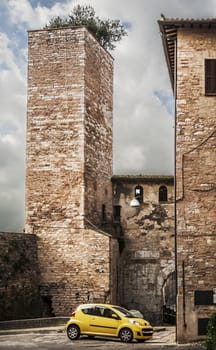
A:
(88, 310)
(91, 310)
(98, 311)
(124, 312)
(107, 313)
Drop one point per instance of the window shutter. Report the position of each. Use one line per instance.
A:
(210, 76)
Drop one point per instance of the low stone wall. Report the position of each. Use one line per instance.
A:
(19, 293)
(34, 323)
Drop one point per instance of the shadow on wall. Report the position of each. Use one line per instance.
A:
(19, 292)
(47, 306)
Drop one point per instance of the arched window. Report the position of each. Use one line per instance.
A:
(139, 193)
(162, 194)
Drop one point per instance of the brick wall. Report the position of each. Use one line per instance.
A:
(55, 128)
(19, 292)
(69, 128)
(196, 173)
(75, 267)
(98, 131)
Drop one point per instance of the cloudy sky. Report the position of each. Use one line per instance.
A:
(143, 103)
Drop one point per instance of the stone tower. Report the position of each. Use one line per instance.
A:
(69, 165)
(190, 49)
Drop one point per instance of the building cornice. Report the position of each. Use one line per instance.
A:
(143, 179)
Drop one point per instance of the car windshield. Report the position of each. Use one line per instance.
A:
(123, 311)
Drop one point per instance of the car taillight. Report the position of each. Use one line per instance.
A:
(73, 314)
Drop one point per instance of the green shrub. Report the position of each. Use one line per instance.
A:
(107, 32)
(211, 333)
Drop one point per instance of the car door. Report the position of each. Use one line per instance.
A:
(104, 322)
(94, 320)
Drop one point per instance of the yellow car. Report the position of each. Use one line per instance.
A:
(107, 320)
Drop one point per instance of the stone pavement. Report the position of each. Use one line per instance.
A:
(164, 337)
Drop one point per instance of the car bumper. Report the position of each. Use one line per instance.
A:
(143, 333)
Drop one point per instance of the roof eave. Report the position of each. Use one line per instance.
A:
(166, 52)
(168, 29)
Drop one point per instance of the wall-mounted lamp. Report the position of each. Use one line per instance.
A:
(134, 203)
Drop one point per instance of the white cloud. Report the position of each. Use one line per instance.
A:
(22, 13)
(12, 138)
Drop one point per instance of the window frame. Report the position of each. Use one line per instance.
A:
(210, 76)
(161, 196)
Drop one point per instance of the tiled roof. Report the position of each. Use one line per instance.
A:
(169, 28)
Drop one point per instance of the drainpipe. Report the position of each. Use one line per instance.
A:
(175, 189)
(110, 272)
(183, 287)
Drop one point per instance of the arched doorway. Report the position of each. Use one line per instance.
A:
(169, 299)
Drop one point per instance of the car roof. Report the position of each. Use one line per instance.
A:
(98, 304)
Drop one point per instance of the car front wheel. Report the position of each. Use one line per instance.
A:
(73, 332)
(126, 335)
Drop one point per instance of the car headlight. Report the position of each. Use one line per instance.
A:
(135, 322)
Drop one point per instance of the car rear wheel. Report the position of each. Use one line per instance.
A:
(73, 332)
(126, 335)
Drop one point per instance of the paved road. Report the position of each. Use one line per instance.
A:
(59, 341)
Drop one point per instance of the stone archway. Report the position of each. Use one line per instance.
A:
(166, 288)
(169, 298)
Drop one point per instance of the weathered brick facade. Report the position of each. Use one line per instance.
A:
(196, 175)
(69, 166)
(76, 266)
(19, 281)
(147, 263)
(69, 128)
(195, 172)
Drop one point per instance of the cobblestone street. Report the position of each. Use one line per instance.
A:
(56, 339)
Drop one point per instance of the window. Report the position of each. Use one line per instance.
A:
(139, 193)
(91, 310)
(203, 297)
(210, 77)
(107, 313)
(202, 326)
(162, 194)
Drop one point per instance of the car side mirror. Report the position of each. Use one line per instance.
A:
(115, 316)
